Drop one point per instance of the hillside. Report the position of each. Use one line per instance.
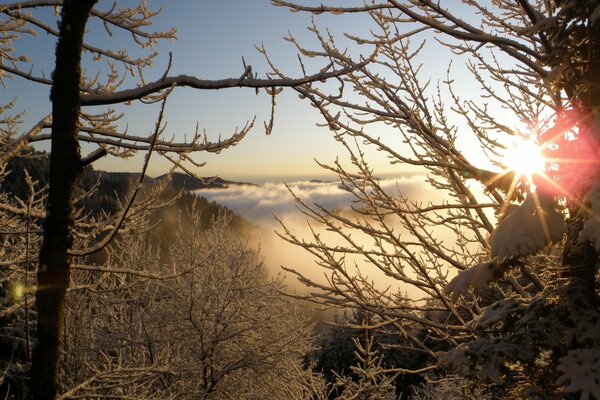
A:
(114, 187)
(181, 181)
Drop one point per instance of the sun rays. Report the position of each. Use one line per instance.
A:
(564, 165)
(525, 159)
(526, 164)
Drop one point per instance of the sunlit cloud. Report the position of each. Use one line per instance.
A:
(259, 203)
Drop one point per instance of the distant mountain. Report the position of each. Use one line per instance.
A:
(320, 181)
(115, 187)
(181, 181)
(113, 190)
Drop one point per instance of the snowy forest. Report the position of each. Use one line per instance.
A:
(127, 286)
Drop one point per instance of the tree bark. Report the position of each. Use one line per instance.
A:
(580, 260)
(65, 166)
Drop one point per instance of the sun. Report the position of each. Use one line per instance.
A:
(525, 158)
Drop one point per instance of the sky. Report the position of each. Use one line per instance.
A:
(213, 36)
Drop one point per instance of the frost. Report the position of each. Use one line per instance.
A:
(478, 276)
(543, 23)
(499, 311)
(591, 228)
(581, 369)
(483, 358)
(528, 229)
(457, 360)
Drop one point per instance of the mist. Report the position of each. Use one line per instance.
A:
(260, 205)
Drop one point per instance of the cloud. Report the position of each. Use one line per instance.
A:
(259, 203)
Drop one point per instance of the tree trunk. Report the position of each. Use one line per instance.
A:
(65, 166)
(580, 260)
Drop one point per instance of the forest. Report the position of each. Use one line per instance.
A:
(120, 285)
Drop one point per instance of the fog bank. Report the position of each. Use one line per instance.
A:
(259, 204)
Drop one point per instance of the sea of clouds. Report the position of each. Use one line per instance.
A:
(259, 205)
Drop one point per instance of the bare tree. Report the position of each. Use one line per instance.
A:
(497, 280)
(20, 219)
(206, 322)
(69, 124)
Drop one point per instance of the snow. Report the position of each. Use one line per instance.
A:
(478, 276)
(543, 23)
(457, 360)
(528, 229)
(595, 15)
(484, 358)
(499, 311)
(581, 369)
(591, 227)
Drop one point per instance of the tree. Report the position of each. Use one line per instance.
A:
(20, 219)
(350, 353)
(373, 383)
(69, 125)
(497, 280)
(204, 322)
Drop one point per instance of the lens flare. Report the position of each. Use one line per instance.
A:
(18, 291)
(525, 158)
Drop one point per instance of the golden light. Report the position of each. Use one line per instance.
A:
(18, 291)
(525, 159)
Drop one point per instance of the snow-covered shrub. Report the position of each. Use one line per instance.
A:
(528, 229)
(450, 387)
(478, 276)
(373, 382)
(522, 340)
(581, 370)
(591, 228)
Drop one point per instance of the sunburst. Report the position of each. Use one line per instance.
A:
(565, 165)
(525, 159)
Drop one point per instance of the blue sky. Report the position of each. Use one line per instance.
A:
(213, 36)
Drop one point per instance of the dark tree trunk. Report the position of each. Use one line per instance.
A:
(65, 166)
(580, 260)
